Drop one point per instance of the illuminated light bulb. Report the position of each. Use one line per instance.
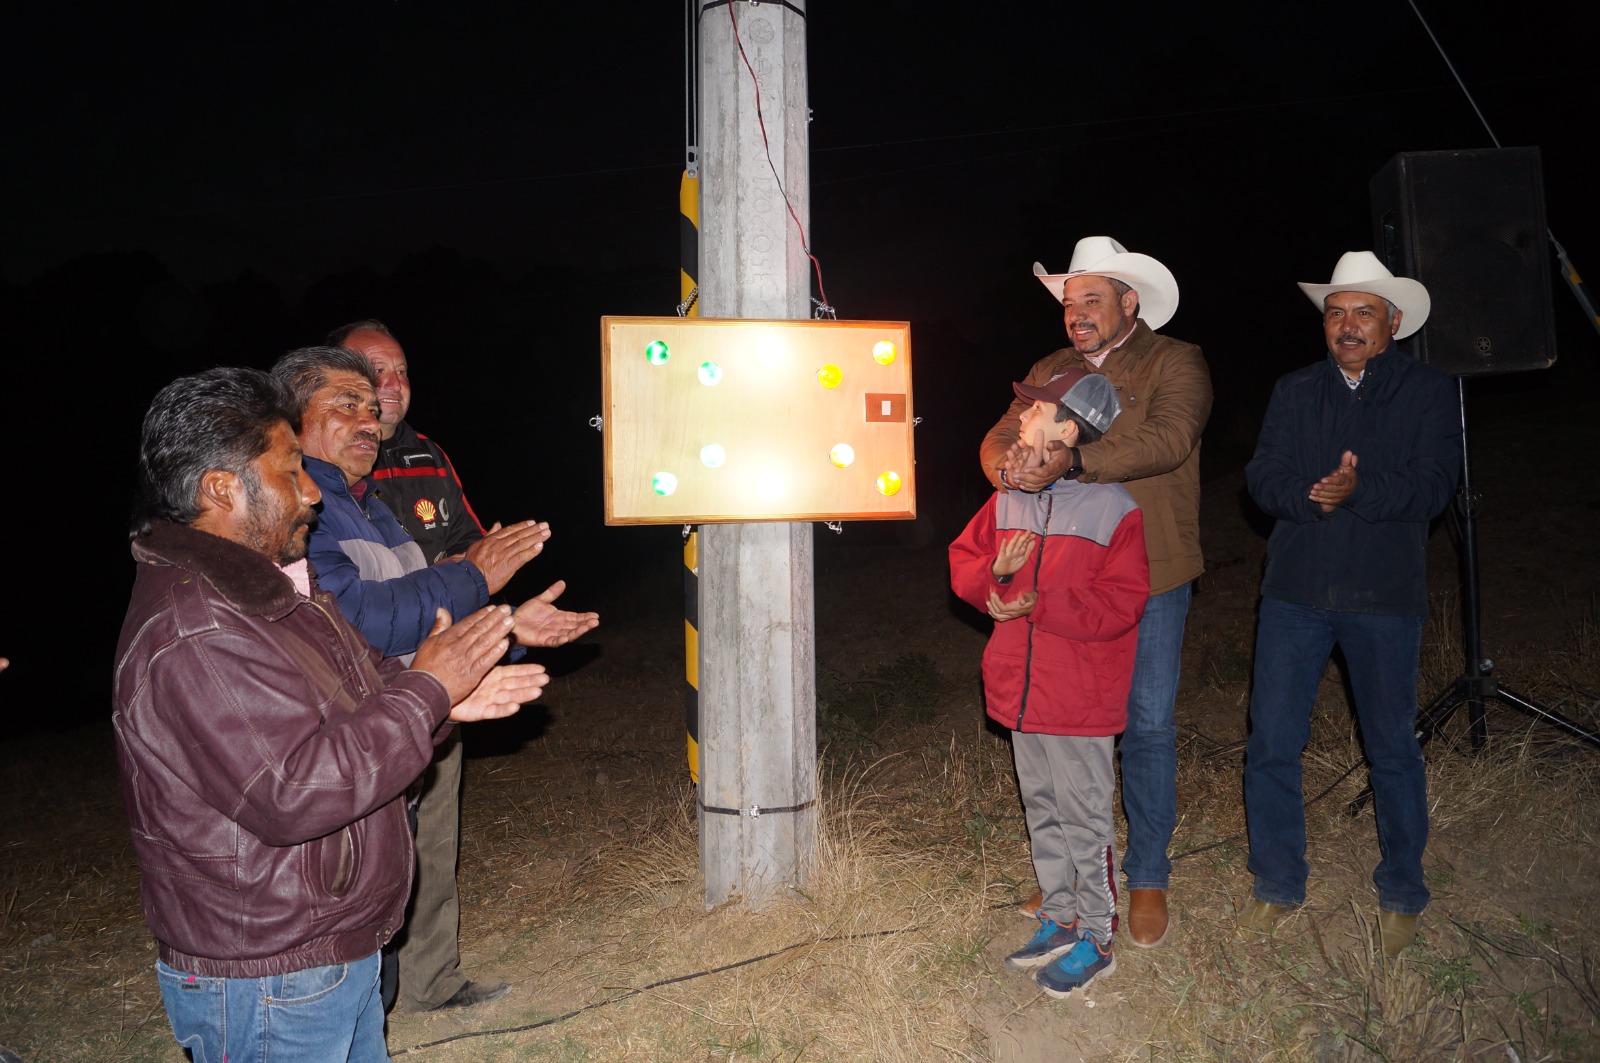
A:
(830, 376)
(770, 484)
(657, 353)
(712, 455)
(769, 349)
(883, 352)
(889, 483)
(710, 374)
(842, 455)
(663, 483)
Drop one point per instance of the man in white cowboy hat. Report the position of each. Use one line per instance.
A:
(1357, 454)
(1112, 301)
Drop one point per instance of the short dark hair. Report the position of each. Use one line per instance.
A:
(337, 337)
(305, 371)
(1087, 433)
(220, 419)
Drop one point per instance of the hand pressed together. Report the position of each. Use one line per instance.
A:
(1331, 491)
(1033, 467)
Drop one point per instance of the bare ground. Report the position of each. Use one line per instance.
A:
(579, 866)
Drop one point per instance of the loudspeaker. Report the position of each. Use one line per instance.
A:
(1470, 226)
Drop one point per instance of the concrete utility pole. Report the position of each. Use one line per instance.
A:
(758, 732)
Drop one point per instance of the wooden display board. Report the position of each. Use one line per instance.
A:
(711, 420)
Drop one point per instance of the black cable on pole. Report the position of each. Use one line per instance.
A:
(691, 88)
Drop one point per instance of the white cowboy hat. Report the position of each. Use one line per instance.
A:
(1101, 256)
(1360, 271)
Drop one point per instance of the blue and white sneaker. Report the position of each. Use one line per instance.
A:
(1048, 942)
(1085, 961)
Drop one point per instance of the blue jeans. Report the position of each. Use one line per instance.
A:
(1292, 647)
(319, 1014)
(1150, 744)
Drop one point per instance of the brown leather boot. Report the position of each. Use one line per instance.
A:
(1260, 917)
(1396, 932)
(1148, 921)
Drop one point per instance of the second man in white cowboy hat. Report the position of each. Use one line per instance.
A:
(1357, 454)
(1112, 301)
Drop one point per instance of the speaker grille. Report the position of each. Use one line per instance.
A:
(1470, 226)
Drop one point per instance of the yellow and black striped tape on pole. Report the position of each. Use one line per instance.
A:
(688, 268)
(689, 244)
(691, 650)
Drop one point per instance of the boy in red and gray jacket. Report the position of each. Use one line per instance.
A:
(1064, 575)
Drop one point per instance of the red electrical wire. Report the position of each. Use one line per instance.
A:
(767, 146)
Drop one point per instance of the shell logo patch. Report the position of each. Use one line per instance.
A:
(424, 510)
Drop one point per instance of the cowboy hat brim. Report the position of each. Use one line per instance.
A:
(1361, 271)
(1157, 287)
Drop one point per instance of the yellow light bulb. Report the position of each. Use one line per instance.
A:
(889, 483)
(830, 376)
(842, 455)
(883, 352)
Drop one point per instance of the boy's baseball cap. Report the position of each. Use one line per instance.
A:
(1089, 395)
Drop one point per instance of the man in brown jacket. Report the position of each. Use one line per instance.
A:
(1112, 302)
(264, 745)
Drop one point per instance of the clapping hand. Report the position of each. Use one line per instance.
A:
(537, 622)
(501, 693)
(502, 551)
(1331, 491)
(460, 654)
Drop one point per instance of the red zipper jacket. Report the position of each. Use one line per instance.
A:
(1066, 667)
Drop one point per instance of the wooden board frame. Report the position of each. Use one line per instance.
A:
(759, 389)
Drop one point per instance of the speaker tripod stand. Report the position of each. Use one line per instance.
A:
(1478, 685)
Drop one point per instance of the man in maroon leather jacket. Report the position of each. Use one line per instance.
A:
(264, 745)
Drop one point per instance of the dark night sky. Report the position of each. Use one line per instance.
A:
(188, 189)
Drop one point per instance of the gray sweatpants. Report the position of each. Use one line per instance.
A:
(1067, 784)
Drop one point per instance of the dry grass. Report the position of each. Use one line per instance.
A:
(76, 962)
(871, 959)
(891, 949)
(580, 885)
